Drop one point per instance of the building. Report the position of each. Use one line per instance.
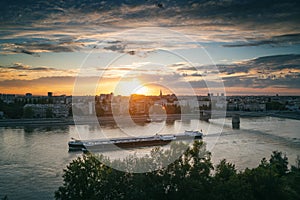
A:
(255, 107)
(138, 104)
(8, 98)
(120, 105)
(48, 110)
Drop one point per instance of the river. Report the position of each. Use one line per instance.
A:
(32, 159)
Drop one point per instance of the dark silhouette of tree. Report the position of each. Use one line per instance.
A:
(224, 171)
(188, 177)
(49, 113)
(228, 184)
(11, 110)
(5, 198)
(28, 112)
(279, 163)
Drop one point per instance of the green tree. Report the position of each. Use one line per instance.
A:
(88, 178)
(5, 197)
(279, 162)
(267, 180)
(28, 112)
(11, 110)
(228, 184)
(49, 113)
(293, 180)
(225, 170)
(188, 177)
(274, 105)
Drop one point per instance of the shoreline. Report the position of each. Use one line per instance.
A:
(36, 122)
(138, 119)
(278, 114)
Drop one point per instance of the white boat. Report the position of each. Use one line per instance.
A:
(196, 134)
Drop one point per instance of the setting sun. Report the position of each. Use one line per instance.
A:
(128, 87)
(142, 90)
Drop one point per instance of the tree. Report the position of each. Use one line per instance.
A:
(49, 113)
(188, 177)
(5, 197)
(228, 184)
(279, 163)
(267, 180)
(293, 180)
(88, 178)
(28, 112)
(224, 171)
(274, 105)
(11, 110)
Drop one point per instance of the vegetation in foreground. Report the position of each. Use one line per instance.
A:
(192, 176)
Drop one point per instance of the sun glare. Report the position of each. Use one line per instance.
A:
(142, 90)
(129, 87)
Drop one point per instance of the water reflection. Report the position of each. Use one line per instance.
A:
(31, 129)
(32, 158)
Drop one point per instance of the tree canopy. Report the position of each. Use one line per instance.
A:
(191, 176)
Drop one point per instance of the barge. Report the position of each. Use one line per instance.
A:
(130, 142)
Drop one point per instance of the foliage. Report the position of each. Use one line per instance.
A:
(28, 112)
(5, 198)
(11, 110)
(188, 177)
(274, 105)
(49, 113)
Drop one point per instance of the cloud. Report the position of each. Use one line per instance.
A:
(22, 67)
(24, 51)
(56, 84)
(280, 40)
(264, 63)
(67, 26)
(43, 81)
(34, 27)
(290, 82)
(26, 72)
(36, 47)
(278, 71)
(118, 48)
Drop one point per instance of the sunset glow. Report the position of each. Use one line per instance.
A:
(129, 87)
(204, 40)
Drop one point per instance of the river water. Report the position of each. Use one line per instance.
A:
(32, 159)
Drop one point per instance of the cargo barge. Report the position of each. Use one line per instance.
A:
(130, 142)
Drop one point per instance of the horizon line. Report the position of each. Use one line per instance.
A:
(86, 95)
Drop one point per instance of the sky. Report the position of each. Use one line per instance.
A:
(243, 47)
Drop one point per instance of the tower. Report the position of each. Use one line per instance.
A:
(160, 94)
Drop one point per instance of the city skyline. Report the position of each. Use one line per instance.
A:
(252, 47)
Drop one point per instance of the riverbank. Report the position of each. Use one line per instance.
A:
(79, 121)
(138, 119)
(279, 114)
(36, 122)
(286, 114)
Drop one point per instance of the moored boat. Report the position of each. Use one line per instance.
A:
(130, 142)
(196, 134)
(76, 145)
